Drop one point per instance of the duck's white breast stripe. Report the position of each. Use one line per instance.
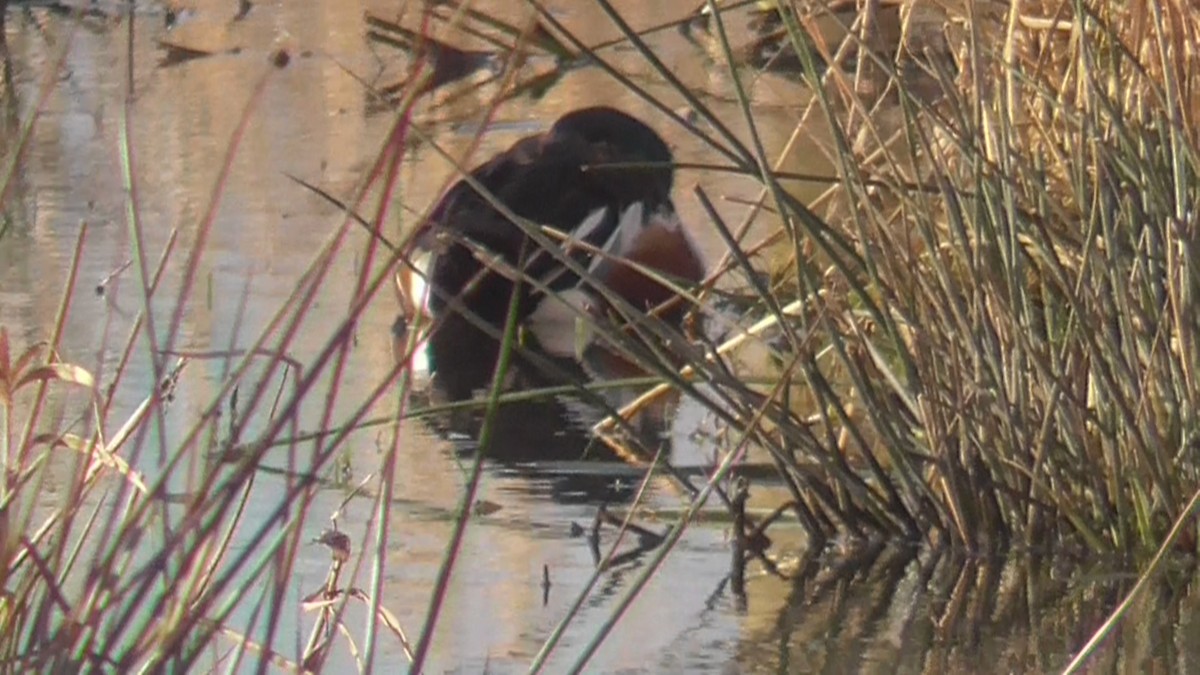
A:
(590, 223)
(581, 233)
(630, 227)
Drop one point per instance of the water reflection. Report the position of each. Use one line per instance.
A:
(888, 609)
(547, 439)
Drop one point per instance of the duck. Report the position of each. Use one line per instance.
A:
(599, 182)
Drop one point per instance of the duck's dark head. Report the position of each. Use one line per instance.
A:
(624, 138)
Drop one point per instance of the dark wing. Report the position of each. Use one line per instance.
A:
(547, 180)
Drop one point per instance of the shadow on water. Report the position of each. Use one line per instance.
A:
(545, 439)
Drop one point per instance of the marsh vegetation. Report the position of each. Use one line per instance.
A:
(941, 365)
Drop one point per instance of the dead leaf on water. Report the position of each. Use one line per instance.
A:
(486, 508)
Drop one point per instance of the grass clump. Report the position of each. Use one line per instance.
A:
(1026, 241)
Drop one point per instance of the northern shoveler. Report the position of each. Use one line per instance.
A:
(598, 182)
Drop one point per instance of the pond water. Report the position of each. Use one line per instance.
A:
(315, 121)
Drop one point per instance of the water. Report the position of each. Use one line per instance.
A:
(315, 122)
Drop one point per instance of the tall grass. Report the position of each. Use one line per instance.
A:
(1015, 322)
(986, 333)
